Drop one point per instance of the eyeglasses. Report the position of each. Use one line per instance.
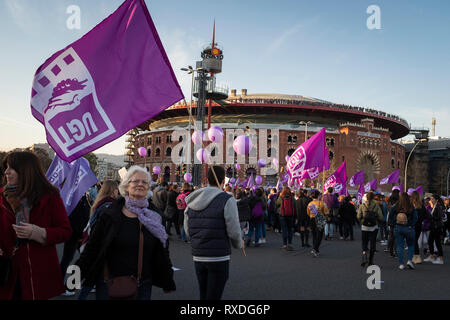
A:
(144, 182)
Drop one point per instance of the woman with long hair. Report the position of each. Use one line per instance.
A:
(33, 220)
(370, 217)
(417, 203)
(404, 217)
(434, 239)
(393, 199)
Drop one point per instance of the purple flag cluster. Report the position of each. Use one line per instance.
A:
(72, 179)
(111, 80)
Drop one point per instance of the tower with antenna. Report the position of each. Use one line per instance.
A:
(433, 127)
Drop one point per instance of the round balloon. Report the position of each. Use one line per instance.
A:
(156, 170)
(197, 137)
(261, 163)
(238, 166)
(142, 151)
(215, 134)
(258, 180)
(275, 162)
(232, 180)
(187, 177)
(242, 145)
(202, 155)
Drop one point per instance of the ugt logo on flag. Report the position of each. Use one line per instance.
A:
(111, 80)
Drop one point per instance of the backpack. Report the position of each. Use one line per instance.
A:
(181, 202)
(401, 219)
(319, 218)
(257, 211)
(370, 218)
(287, 209)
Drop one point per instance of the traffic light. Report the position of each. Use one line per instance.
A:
(184, 168)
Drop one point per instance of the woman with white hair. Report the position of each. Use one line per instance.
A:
(128, 245)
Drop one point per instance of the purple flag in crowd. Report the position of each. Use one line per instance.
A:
(111, 80)
(72, 179)
(372, 185)
(250, 181)
(419, 189)
(313, 173)
(338, 180)
(392, 178)
(357, 179)
(308, 155)
(360, 193)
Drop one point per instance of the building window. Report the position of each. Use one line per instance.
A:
(269, 138)
(168, 152)
(269, 152)
(149, 152)
(343, 158)
(149, 140)
(393, 152)
(158, 140)
(181, 153)
(330, 155)
(290, 139)
(294, 139)
(169, 139)
(213, 152)
(180, 139)
(290, 152)
(398, 164)
(393, 163)
(157, 152)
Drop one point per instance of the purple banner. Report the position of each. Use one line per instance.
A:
(72, 179)
(357, 179)
(338, 180)
(392, 178)
(372, 185)
(99, 87)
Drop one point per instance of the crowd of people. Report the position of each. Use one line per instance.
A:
(123, 229)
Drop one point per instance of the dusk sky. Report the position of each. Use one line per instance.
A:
(321, 49)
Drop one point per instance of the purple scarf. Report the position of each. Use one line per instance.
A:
(150, 219)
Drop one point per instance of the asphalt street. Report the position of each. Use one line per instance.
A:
(269, 273)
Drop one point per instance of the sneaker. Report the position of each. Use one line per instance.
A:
(69, 293)
(314, 253)
(342, 238)
(437, 261)
(283, 247)
(297, 234)
(429, 259)
(263, 240)
(401, 267)
(410, 265)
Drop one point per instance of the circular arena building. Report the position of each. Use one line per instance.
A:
(363, 137)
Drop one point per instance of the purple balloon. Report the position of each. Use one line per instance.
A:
(202, 155)
(275, 162)
(215, 134)
(197, 137)
(261, 163)
(142, 151)
(238, 166)
(242, 145)
(232, 180)
(156, 170)
(187, 177)
(258, 180)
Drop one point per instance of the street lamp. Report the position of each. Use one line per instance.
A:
(407, 160)
(306, 129)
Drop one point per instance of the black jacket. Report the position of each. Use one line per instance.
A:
(93, 258)
(243, 209)
(347, 212)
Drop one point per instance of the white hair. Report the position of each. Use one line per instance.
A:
(126, 179)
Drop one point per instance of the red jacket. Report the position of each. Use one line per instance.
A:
(37, 265)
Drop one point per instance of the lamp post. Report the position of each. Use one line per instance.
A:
(448, 177)
(407, 161)
(306, 129)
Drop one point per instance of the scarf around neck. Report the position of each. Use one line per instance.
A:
(150, 219)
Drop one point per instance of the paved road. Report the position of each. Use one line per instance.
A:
(268, 273)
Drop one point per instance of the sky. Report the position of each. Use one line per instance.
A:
(322, 49)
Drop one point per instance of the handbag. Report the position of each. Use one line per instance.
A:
(5, 270)
(126, 287)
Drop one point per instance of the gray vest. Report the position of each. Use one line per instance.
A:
(207, 229)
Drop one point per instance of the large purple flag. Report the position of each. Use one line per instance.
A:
(419, 189)
(72, 179)
(392, 178)
(99, 87)
(357, 179)
(313, 173)
(308, 155)
(372, 185)
(338, 180)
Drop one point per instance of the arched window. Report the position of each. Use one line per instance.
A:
(181, 153)
(289, 139)
(168, 152)
(149, 152)
(294, 139)
(290, 152)
(269, 152)
(157, 152)
(330, 155)
(180, 139)
(213, 152)
(393, 163)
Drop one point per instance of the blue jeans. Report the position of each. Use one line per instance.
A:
(329, 229)
(212, 277)
(287, 226)
(401, 234)
(257, 228)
